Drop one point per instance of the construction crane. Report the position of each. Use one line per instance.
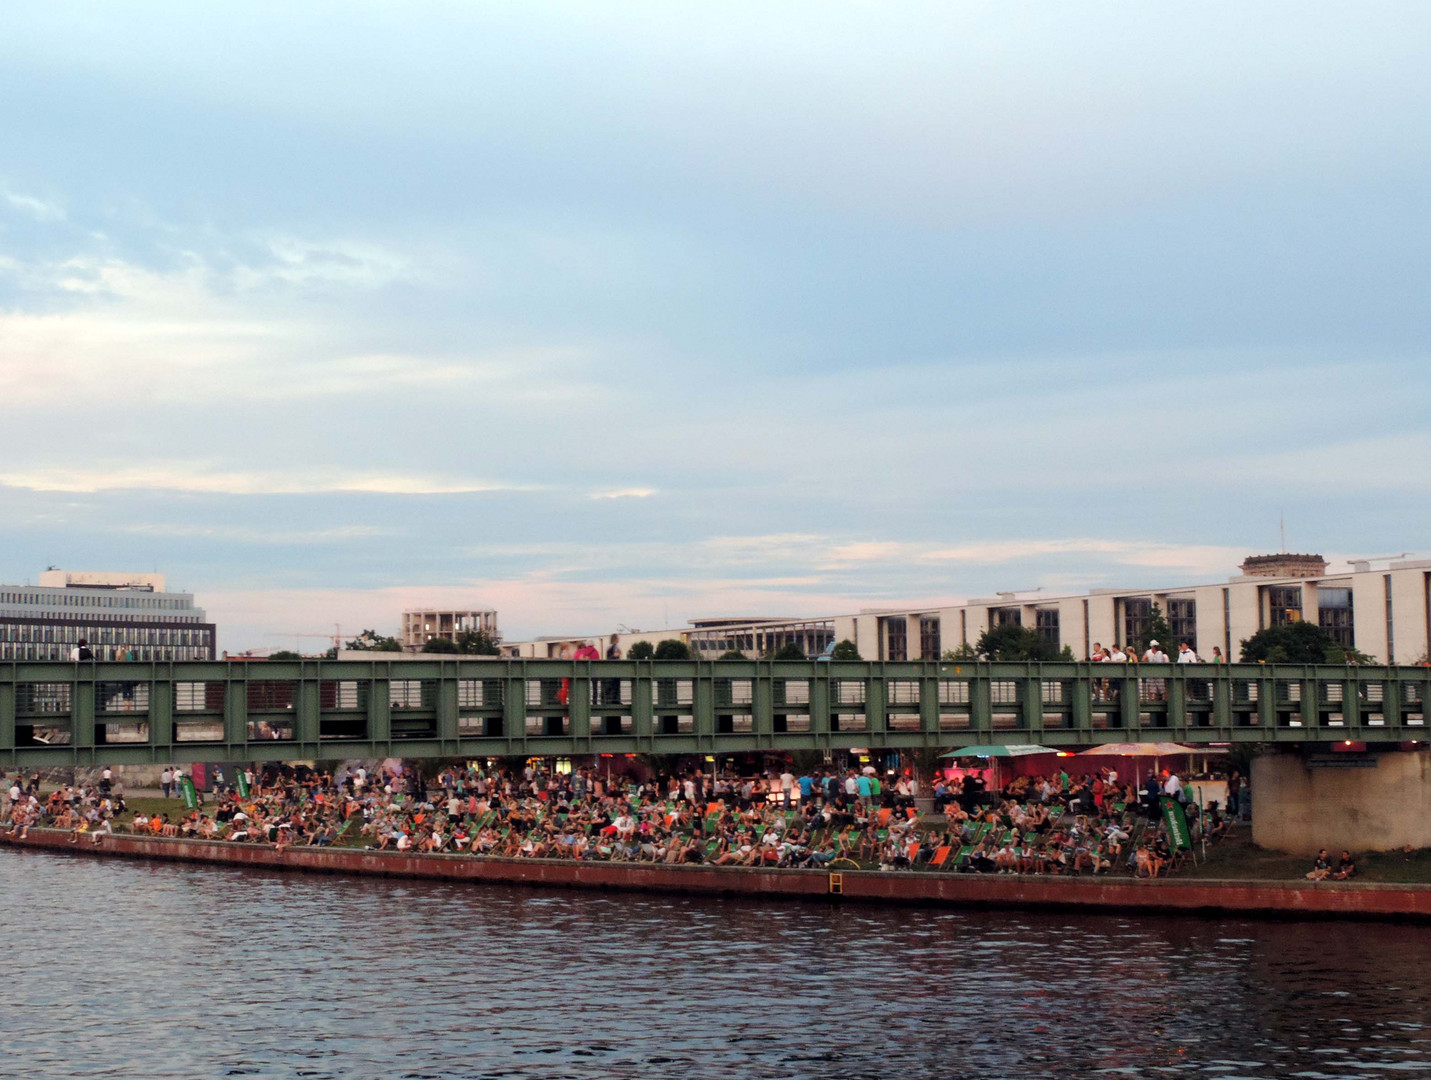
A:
(335, 638)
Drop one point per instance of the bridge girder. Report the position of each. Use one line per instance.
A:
(126, 713)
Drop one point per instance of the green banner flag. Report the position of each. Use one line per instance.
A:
(242, 783)
(1177, 823)
(191, 797)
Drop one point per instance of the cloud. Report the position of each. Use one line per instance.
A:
(302, 262)
(241, 534)
(104, 330)
(174, 477)
(625, 493)
(39, 209)
(853, 568)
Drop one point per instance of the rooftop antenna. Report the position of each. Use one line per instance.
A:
(1282, 520)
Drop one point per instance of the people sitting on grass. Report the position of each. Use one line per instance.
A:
(1066, 825)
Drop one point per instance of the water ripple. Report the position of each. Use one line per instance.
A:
(120, 969)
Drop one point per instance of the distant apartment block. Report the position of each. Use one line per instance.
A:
(420, 627)
(121, 616)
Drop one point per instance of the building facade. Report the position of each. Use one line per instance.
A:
(121, 616)
(420, 627)
(706, 638)
(1383, 612)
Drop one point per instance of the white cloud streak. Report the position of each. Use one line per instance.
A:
(171, 477)
(36, 208)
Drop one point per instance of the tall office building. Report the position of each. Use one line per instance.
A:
(120, 616)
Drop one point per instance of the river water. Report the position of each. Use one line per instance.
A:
(146, 970)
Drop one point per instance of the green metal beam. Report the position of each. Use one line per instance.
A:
(93, 713)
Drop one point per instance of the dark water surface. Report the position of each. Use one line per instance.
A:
(144, 970)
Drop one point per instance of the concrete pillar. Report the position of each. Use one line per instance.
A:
(1300, 808)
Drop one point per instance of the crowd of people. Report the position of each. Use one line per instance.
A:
(1035, 825)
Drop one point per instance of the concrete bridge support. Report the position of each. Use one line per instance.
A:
(1363, 802)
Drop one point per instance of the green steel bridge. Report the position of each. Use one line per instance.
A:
(127, 713)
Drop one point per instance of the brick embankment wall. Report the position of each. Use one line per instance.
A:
(1290, 899)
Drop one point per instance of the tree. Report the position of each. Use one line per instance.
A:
(1291, 643)
(1345, 654)
(372, 641)
(789, 651)
(440, 645)
(672, 649)
(1013, 642)
(732, 654)
(1159, 631)
(845, 650)
(477, 643)
(642, 650)
(284, 654)
(964, 654)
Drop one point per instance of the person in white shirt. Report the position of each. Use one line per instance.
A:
(1186, 654)
(787, 788)
(1172, 785)
(1155, 689)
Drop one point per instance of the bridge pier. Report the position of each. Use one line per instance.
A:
(1379, 801)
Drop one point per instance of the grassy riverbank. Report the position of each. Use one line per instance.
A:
(1235, 858)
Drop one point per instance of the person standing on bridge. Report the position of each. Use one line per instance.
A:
(611, 688)
(1157, 689)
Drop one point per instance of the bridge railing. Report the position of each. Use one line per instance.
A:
(88, 713)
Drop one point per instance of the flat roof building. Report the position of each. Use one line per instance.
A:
(421, 626)
(1382, 612)
(1385, 613)
(707, 638)
(120, 616)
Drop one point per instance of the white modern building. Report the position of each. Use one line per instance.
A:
(1384, 611)
(707, 638)
(120, 616)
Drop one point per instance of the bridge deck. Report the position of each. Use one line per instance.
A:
(89, 713)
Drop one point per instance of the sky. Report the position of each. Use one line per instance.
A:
(633, 313)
